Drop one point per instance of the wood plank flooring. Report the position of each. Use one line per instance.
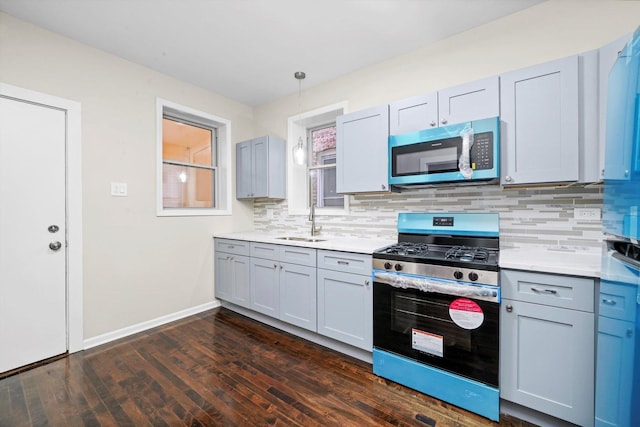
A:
(218, 368)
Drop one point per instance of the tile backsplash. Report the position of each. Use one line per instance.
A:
(532, 216)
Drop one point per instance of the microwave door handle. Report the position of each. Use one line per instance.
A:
(464, 163)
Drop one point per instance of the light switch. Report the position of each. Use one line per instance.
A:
(119, 189)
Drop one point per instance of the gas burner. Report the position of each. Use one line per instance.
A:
(409, 249)
(467, 254)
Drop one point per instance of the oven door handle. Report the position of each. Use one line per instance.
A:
(446, 287)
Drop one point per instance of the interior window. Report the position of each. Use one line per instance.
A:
(322, 167)
(194, 160)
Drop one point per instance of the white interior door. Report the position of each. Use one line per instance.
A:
(33, 290)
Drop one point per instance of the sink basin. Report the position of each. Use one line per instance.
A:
(301, 239)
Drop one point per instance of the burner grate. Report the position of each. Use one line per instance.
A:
(467, 254)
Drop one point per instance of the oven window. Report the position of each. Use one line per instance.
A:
(426, 157)
(401, 315)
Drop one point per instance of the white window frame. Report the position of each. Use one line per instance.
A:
(298, 175)
(223, 167)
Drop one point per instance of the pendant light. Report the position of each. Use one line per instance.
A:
(299, 151)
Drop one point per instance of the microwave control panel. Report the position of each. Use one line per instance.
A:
(482, 151)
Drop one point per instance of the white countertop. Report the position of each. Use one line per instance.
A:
(344, 244)
(586, 263)
(575, 263)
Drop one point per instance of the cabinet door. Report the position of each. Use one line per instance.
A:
(614, 372)
(298, 295)
(547, 360)
(243, 170)
(265, 286)
(345, 308)
(539, 112)
(413, 114)
(607, 57)
(260, 167)
(223, 276)
(241, 280)
(470, 101)
(362, 159)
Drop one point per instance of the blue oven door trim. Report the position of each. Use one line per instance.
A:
(463, 392)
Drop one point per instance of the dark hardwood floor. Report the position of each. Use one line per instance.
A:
(217, 368)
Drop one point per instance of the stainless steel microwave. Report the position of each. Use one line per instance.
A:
(462, 153)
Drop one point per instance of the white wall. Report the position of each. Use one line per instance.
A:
(137, 267)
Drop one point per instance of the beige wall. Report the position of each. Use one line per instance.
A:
(137, 267)
(548, 31)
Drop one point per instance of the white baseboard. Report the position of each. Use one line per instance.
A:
(134, 329)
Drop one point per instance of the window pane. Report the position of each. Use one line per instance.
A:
(322, 140)
(187, 187)
(183, 142)
(323, 187)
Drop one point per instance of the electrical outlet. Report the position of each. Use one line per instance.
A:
(586, 213)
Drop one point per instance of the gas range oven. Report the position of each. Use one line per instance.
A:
(436, 300)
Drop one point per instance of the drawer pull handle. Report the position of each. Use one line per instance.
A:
(608, 301)
(343, 262)
(544, 291)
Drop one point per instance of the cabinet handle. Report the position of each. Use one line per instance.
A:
(608, 301)
(343, 262)
(280, 267)
(443, 121)
(509, 308)
(366, 282)
(275, 265)
(230, 247)
(432, 124)
(384, 187)
(544, 291)
(507, 178)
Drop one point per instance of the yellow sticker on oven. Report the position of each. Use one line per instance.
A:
(466, 313)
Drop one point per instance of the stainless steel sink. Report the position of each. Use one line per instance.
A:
(301, 239)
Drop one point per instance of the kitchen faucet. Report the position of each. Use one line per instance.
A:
(312, 217)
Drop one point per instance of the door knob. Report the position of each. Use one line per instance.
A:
(509, 308)
(55, 246)
(53, 228)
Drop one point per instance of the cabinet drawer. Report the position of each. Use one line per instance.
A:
(265, 250)
(559, 291)
(238, 247)
(618, 301)
(345, 261)
(298, 255)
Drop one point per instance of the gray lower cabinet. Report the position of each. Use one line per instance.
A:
(547, 344)
(345, 298)
(283, 283)
(232, 275)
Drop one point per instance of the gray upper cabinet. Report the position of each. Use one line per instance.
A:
(608, 55)
(539, 109)
(470, 101)
(362, 160)
(261, 168)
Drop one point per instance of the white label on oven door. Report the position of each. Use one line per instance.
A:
(427, 342)
(466, 313)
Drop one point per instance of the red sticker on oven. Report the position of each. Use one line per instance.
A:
(466, 313)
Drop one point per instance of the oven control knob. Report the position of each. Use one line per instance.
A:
(387, 266)
(398, 267)
(458, 275)
(473, 276)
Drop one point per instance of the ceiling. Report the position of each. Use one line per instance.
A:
(248, 50)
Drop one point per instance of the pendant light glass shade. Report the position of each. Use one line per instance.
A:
(299, 153)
